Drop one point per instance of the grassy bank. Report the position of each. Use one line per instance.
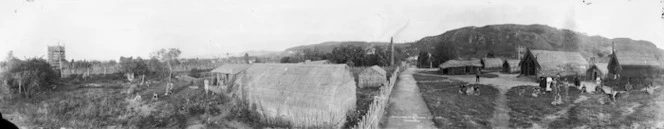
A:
(453, 110)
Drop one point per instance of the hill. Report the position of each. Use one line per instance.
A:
(327, 47)
(501, 40)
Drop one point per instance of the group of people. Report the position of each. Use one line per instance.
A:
(468, 90)
(559, 86)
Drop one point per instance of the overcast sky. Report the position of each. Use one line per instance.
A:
(108, 29)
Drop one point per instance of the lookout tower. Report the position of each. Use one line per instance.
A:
(56, 54)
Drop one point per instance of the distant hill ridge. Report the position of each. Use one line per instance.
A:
(501, 40)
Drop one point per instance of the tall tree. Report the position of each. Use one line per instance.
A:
(169, 56)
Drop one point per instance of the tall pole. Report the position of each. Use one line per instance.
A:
(391, 51)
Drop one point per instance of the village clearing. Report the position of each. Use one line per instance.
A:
(514, 106)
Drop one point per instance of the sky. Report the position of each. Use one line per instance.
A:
(108, 29)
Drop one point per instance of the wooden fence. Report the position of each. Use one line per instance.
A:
(371, 120)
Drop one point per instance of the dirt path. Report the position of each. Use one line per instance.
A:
(503, 83)
(408, 110)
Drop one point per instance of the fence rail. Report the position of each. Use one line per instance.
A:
(371, 120)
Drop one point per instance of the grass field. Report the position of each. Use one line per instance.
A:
(638, 110)
(453, 110)
(528, 110)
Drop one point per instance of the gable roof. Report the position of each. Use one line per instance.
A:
(377, 69)
(492, 62)
(230, 68)
(602, 67)
(461, 63)
(557, 62)
(545, 57)
(636, 58)
(513, 62)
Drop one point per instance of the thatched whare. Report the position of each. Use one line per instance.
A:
(298, 95)
(492, 64)
(227, 73)
(634, 64)
(461, 66)
(597, 70)
(373, 76)
(551, 63)
(511, 66)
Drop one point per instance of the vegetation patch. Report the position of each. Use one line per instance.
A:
(636, 110)
(365, 97)
(453, 110)
(527, 109)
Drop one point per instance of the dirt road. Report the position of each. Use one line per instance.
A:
(408, 110)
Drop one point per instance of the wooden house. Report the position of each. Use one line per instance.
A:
(456, 67)
(492, 64)
(511, 66)
(597, 70)
(551, 63)
(373, 76)
(634, 64)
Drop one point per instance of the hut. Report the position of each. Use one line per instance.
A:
(316, 62)
(298, 95)
(492, 64)
(511, 66)
(597, 70)
(225, 74)
(373, 76)
(550, 63)
(634, 64)
(461, 66)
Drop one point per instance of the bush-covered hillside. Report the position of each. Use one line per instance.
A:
(501, 40)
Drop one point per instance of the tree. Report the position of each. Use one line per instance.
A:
(128, 65)
(424, 59)
(28, 77)
(348, 53)
(170, 57)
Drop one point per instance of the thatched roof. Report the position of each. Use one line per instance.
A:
(299, 92)
(492, 62)
(460, 63)
(317, 62)
(602, 67)
(377, 69)
(565, 63)
(230, 68)
(635, 58)
(512, 62)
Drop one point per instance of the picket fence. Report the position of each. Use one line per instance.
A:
(371, 120)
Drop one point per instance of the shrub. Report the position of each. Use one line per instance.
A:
(28, 76)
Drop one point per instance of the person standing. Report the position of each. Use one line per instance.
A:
(477, 76)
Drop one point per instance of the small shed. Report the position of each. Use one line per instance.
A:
(550, 63)
(511, 66)
(597, 70)
(492, 64)
(373, 76)
(226, 74)
(298, 95)
(457, 67)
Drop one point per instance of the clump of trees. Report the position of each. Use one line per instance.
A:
(351, 55)
(26, 77)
